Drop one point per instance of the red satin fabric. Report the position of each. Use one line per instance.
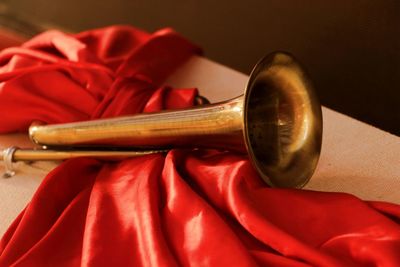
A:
(185, 208)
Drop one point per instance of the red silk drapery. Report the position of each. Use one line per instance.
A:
(185, 208)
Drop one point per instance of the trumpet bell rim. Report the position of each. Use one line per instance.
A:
(282, 121)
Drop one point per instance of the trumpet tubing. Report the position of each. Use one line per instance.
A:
(215, 125)
(277, 120)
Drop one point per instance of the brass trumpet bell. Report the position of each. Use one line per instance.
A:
(277, 120)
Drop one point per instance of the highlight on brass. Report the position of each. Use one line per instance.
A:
(277, 121)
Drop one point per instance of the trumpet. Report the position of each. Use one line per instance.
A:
(277, 122)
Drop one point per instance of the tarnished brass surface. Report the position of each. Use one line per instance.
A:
(48, 154)
(207, 125)
(282, 121)
(278, 121)
(13, 154)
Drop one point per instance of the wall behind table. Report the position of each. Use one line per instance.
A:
(351, 48)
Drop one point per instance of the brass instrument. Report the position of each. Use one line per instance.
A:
(277, 120)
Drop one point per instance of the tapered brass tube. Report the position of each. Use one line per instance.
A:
(13, 154)
(50, 155)
(215, 125)
(277, 120)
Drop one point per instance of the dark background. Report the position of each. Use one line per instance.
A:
(350, 48)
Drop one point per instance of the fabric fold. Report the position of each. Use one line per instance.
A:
(187, 207)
